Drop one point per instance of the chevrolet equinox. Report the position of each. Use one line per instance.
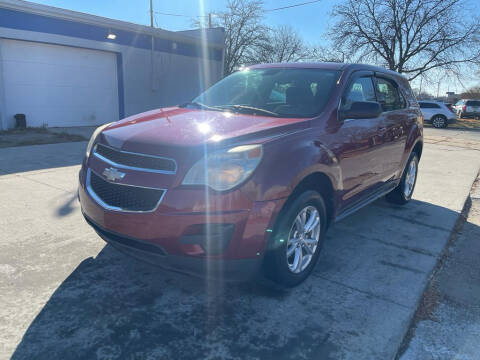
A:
(247, 177)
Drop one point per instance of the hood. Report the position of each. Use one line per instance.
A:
(180, 127)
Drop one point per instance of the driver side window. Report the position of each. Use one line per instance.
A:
(361, 89)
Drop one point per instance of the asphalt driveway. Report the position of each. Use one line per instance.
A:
(65, 295)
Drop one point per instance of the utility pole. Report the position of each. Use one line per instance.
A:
(151, 13)
(209, 20)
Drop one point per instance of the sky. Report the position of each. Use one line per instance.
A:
(310, 20)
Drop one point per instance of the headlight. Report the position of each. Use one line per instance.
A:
(93, 139)
(225, 169)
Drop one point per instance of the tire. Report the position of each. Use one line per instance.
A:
(288, 270)
(439, 121)
(401, 194)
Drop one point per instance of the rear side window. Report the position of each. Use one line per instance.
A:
(361, 89)
(389, 96)
(473, 103)
(429, 106)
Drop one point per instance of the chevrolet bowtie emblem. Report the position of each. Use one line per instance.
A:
(113, 174)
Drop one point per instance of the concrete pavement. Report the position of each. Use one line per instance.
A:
(450, 329)
(67, 295)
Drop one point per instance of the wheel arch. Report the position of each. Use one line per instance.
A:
(321, 183)
(418, 148)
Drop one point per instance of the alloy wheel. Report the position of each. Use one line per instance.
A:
(303, 239)
(438, 122)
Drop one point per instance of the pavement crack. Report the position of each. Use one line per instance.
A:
(416, 222)
(402, 267)
(42, 183)
(387, 243)
(364, 292)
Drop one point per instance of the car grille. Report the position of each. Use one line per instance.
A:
(122, 197)
(134, 160)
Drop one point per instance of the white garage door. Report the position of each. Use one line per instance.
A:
(59, 85)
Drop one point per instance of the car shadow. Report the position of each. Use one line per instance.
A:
(41, 157)
(68, 207)
(375, 262)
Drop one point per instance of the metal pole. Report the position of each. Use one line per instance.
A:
(151, 13)
(209, 20)
(152, 69)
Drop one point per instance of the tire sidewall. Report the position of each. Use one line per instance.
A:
(413, 157)
(276, 264)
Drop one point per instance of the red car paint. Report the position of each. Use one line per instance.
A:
(358, 158)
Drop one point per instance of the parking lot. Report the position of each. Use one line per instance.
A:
(65, 294)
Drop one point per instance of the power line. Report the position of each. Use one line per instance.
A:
(170, 14)
(180, 15)
(294, 5)
(280, 8)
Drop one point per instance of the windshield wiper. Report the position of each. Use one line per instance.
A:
(249, 108)
(201, 106)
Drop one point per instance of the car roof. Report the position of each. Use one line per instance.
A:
(326, 66)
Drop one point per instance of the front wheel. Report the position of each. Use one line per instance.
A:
(404, 191)
(296, 240)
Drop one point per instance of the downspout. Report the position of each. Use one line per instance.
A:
(3, 104)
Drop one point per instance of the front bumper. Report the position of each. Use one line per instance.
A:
(215, 268)
(172, 235)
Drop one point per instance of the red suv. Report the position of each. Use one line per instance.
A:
(248, 176)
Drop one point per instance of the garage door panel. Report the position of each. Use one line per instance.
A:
(59, 85)
(76, 98)
(50, 75)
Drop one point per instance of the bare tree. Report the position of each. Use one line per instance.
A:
(244, 31)
(326, 54)
(408, 36)
(281, 44)
(472, 93)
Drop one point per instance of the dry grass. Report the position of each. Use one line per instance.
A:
(466, 124)
(35, 136)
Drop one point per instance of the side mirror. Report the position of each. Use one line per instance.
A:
(362, 110)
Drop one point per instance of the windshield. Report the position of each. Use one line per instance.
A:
(272, 92)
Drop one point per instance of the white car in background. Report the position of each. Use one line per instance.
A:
(468, 108)
(437, 113)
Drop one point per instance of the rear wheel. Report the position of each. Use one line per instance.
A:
(404, 191)
(439, 121)
(296, 240)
